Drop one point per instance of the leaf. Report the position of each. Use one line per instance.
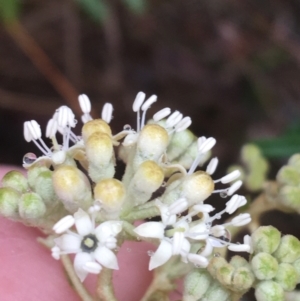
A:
(136, 6)
(9, 10)
(97, 10)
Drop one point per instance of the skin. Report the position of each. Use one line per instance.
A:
(28, 272)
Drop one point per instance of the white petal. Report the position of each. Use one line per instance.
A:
(151, 229)
(178, 206)
(161, 256)
(198, 232)
(177, 242)
(59, 157)
(239, 248)
(92, 267)
(83, 222)
(64, 224)
(108, 229)
(68, 243)
(200, 261)
(79, 261)
(106, 257)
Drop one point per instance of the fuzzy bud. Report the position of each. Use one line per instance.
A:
(217, 293)
(196, 284)
(152, 142)
(288, 250)
(242, 279)
(9, 199)
(264, 266)
(266, 239)
(34, 172)
(16, 180)
(198, 187)
(287, 276)
(72, 187)
(269, 291)
(44, 187)
(290, 197)
(31, 206)
(110, 193)
(288, 175)
(95, 126)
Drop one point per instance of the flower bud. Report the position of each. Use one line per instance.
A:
(242, 279)
(196, 283)
(269, 291)
(288, 175)
(215, 264)
(265, 239)
(31, 206)
(296, 265)
(238, 262)
(295, 161)
(287, 276)
(9, 199)
(288, 250)
(44, 187)
(15, 180)
(95, 126)
(152, 142)
(264, 266)
(34, 172)
(225, 274)
(197, 187)
(290, 197)
(110, 193)
(148, 177)
(217, 293)
(179, 143)
(72, 187)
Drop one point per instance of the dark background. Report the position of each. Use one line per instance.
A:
(233, 66)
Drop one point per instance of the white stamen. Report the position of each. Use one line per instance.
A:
(173, 119)
(183, 124)
(146, 106)
(234, 203)
(239, 248)
(218, 230)
(107, 112)
(212, 166)
(51, 129)
(234, 187)
(55, 252)
(33, 130)
(85, 103)
(231, 177)
(65, 117)
(85, 118)
(161, 114)
(203, 208)
(241, 220)
(139, 99)
(207, 145)
(64, 224)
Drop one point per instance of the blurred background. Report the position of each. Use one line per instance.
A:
(233, 66)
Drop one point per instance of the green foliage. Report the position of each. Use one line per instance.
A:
(97, 10)
(9, 10)
(136, 6)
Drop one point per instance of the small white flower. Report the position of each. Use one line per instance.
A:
(92, 245)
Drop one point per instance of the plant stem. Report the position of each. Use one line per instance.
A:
(76, 283)
(105, 290)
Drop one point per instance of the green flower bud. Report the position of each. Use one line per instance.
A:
(250, 153)
(287, 276)
(196, 284)
(31, 206)
(9, 199)
(265, 239)
(179, 144)
(288, 175)
(225, 274)
(295, 161)
(238, 262)
(269, 291)
(215, 264)
(33, 173)
(44, 187)
(217, 293)
(264, 266)
(242, 279)
(288, 250)
(15, 180)
(296, 265)
(290, 197)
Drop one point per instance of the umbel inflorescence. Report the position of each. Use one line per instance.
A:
(72, 195)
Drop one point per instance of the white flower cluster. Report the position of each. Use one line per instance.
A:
(161, 153)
